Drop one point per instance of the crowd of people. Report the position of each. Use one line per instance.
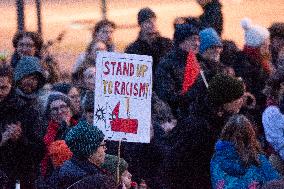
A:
(217, 116)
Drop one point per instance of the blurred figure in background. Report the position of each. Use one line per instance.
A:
(212, 15)
(149, 41)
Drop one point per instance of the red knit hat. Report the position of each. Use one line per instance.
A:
(59, 152)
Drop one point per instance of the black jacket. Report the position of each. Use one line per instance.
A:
(169, 78)
(191, 143)
(212, 16)
(18, 158)
(159, 47)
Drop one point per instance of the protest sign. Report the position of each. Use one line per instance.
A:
(123, 96)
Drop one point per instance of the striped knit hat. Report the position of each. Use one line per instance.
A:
(84, 139)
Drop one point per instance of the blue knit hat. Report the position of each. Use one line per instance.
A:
(84, 139)
(209, 38)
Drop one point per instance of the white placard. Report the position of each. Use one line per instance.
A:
(123, 96)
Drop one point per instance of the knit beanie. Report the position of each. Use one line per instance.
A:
(277, 30)
(83, 139)
(255, 35)
(209, 38)
(56, 96)
(59, 152)
(183, 31)
(223, 89)
(62, 87)
(111, 163)
(145, 14)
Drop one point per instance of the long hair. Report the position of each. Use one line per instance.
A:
(240, 132)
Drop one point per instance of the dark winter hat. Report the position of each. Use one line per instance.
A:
(183, 31)
(83, 139)
(111, 163)
(224, 89)
(277, 30)
(62, 87)
(209, 38)
(145, 14)
(56, 96)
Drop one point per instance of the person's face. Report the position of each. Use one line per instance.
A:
(29, 84)
(26, 46)
(234, 106)
(191, 44)
(126, 179)
(213, 54)
(98, 157)
(60, 111)
(149, 27)
(105, 34)
(75, 99)
(98, 46)
(5, 87)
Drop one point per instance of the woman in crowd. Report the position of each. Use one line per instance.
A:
(59, 114)
(238, 161)
(74, 95)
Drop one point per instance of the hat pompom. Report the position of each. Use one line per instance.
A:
(246, 23)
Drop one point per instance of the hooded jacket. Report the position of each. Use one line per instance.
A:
(227, 170)
(26, 67)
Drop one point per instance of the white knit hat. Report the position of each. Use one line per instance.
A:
(255, 35)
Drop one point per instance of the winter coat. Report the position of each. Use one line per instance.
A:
(252, 74)
(273, 123)
(227, 170)
(191, 146)
(20, 158)
(50, 181)
(169, 79)
(74, 170)
(159, 48)
(212, 16)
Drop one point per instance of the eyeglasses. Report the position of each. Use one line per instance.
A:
(103, 145)
(61, 107)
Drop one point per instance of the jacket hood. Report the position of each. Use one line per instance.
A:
(28, 66)
(228, 158)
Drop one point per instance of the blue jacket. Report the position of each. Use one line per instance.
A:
(227, 170)
(74, 170)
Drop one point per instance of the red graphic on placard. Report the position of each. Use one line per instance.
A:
(121, 124)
